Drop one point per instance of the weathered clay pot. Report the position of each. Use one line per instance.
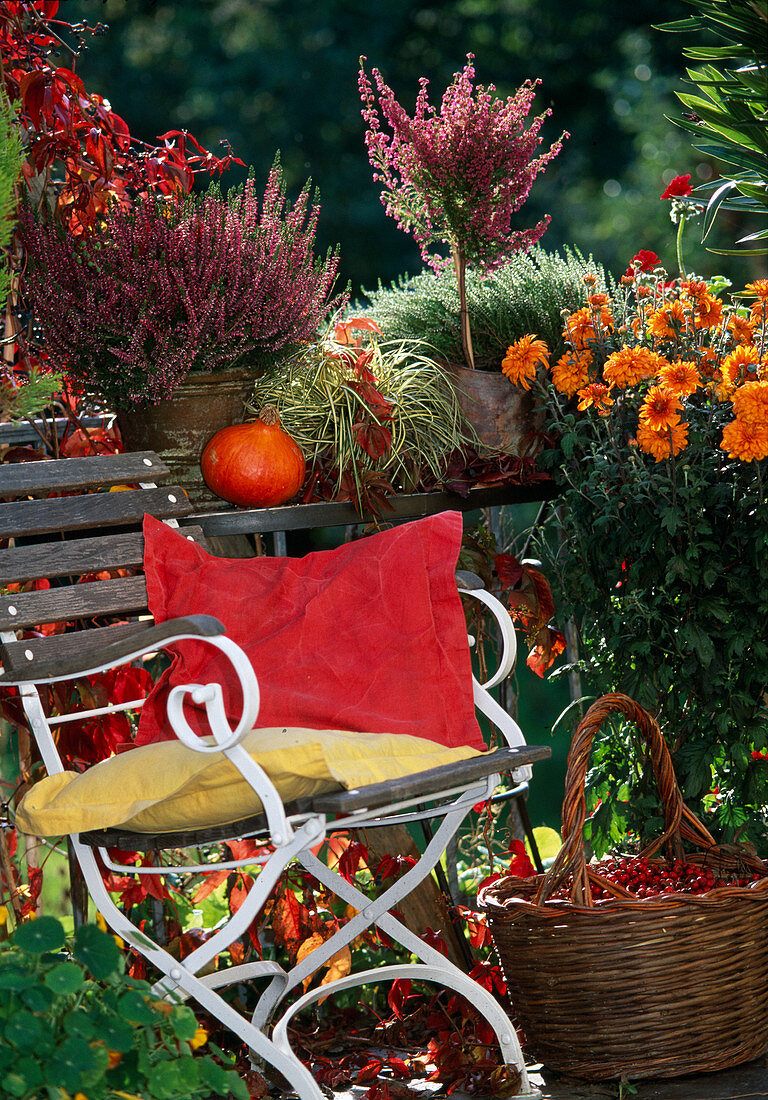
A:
(178, 428)
(502, 415)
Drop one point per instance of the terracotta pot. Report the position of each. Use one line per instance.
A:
(178, 428)
(501, 414)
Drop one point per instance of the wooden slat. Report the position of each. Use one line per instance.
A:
(295, 517)
(76, 601)
(14, 654)
(37, 517)
(68, 474)
(95, 651)
(377, 796)
(73, 557)
(436, 779)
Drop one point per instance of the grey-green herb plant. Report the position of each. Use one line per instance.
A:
(525, 295)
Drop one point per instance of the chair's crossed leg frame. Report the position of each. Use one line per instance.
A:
(292, 840)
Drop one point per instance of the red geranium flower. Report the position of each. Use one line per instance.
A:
(647, 259)
(679, 188)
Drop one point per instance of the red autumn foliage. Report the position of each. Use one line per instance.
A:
(75, 133)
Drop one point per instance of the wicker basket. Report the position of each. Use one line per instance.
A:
(647, 987)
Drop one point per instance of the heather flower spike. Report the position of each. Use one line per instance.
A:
(458, 176)
(175, 285)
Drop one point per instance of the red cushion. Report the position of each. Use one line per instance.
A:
(369, 637)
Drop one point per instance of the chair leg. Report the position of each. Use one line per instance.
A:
(182, 976)
(436, 967)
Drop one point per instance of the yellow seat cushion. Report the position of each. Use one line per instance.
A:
(165, 787)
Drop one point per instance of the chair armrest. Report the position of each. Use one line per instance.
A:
(145, 639)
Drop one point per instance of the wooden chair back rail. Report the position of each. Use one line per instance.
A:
(30, 478)
(38, 651)
(74, 557)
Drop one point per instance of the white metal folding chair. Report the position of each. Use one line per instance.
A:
(445, 794)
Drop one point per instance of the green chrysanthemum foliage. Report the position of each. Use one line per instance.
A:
(72, 1023)
(526, 295)
(729, 117)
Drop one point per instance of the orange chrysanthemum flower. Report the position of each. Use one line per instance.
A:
(522, 359)
(759, 287)
(660, 409)
(668, 322)
(664, 442)
(598, 395)
(628, 366)
(745, 440)
(597, 300)
(707, 312)
(750, 403)
(680, 378)
(758, 315)
(735, 368)
(571, 372)
(580, 326)
(742, 329)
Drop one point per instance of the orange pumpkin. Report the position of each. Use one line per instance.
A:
(255, 465)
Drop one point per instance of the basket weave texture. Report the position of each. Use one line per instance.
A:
(646, 987)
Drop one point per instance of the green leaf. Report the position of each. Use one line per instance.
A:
(81, 1025)
(14, 1084)
(40, 935)
(24, 1030)
(38, 998)
(14, 978)
(65, 978)
(133, 1008)
(97, 950)
(183, 1022)
(72, 1062)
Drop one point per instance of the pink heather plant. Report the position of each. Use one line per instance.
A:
(457, 177)
(178, 285)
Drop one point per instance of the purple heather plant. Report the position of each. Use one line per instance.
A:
(178, 285)
(457, 177)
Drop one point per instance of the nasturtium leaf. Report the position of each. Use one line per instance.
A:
(39, 936)
(72, 1061)
(38, 998)
(97, 950)
(24, 1030)
(183, 1022)
(14, 1085)
(133, 1008)
(82, 1025)
(65, 978)
(13, 978)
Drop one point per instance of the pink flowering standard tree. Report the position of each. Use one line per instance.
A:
(457, 177)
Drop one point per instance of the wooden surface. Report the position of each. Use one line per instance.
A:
(424, 783)
(74, 557)
(96, 510)
(68, 474)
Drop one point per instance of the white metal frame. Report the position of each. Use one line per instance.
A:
(293, 838)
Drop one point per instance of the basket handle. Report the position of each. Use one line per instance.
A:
(679, 820)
